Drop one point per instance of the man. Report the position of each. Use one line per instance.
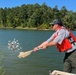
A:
(65, 42)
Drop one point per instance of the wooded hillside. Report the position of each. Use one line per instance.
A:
(35, 16)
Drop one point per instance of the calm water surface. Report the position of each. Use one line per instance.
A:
(38, 63)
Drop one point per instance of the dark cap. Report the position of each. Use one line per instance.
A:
(57, 21)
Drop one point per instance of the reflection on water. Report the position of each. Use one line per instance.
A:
(38, 63)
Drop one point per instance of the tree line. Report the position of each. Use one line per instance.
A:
(35, 16)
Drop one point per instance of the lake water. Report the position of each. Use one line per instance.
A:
(38, 63)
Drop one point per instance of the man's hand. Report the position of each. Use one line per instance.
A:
(35, 49)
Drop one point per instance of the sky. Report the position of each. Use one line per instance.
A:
(69, 4)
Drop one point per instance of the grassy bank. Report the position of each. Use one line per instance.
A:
(2, 71)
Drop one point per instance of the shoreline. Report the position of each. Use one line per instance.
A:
(26, 28)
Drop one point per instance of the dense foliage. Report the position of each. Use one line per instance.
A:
(35, 16)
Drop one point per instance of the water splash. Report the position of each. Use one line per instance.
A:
(14, 45)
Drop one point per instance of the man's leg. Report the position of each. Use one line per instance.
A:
(73, 61)
(70, 62)
(67, 66)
